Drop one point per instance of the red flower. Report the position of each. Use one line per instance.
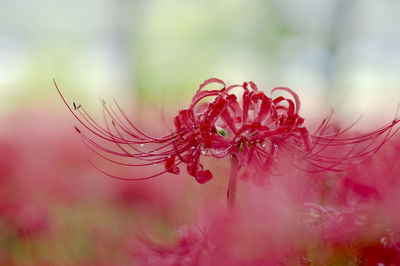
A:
(250, 129)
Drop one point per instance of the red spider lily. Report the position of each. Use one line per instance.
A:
(251, 130)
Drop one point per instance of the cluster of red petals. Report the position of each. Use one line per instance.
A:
(249, 128)
(240, 121)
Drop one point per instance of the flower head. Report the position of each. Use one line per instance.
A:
(249, 129)
(238, 121)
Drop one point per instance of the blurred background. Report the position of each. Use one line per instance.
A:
(341, 54)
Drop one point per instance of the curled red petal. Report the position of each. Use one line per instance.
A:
(294, 95)
(209, 81)
(204, 176)
(170, 165)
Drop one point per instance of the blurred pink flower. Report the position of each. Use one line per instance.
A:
(189, 249)
(281, 224)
